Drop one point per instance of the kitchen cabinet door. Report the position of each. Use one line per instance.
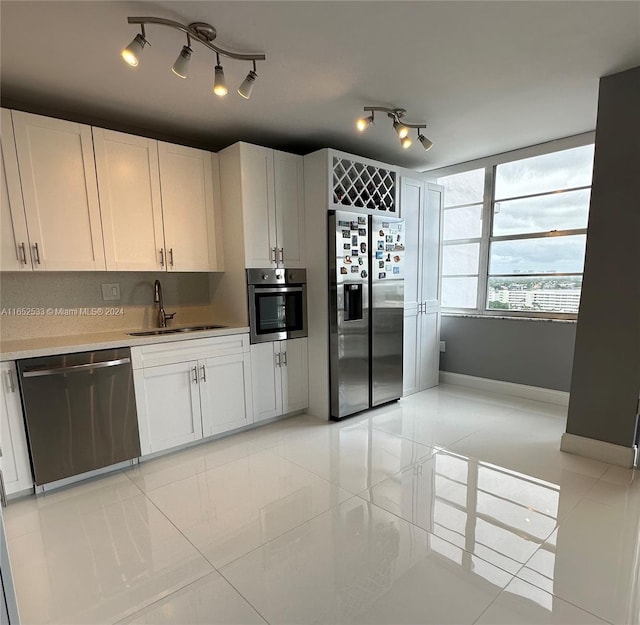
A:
(186, 181)
(420, 204)
(129, 188)
(289, 209)
(60, 193)
(168, 402)
(267, 380)
(14, 240)
(258, 205)
(225, 393)
(295, 377)
(15, 465)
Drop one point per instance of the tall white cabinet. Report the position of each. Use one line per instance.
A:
(266, 187)
(280, 378)
(421, 207)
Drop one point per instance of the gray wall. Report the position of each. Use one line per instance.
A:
(606, 370)
(536, 353)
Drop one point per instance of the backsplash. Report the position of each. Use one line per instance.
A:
(62, 303)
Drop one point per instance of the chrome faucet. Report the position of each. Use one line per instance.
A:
(163, 316)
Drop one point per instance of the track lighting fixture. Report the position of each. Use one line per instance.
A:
(204, 34)
(401, 127)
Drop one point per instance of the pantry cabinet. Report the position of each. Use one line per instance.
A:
(189, 390)
(60, 193)
(265, 188)
(280, 378)
(421, 207)
(14, 240)
(14, 461)
(160, 204)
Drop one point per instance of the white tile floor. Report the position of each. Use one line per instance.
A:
(451, 506)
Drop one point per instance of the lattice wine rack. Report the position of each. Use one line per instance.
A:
(363, 186)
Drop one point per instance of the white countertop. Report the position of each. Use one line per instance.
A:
(51, 345)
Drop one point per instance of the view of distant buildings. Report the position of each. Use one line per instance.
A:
(559, 295)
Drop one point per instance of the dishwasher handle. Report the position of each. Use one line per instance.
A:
(75, 368)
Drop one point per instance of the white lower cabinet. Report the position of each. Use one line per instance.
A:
(15, 465)
(280, 378)
(191, 389)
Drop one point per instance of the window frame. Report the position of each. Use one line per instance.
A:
(489, 165)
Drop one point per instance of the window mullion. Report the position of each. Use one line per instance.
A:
(487, 216)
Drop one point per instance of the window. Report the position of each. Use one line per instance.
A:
(514, 234)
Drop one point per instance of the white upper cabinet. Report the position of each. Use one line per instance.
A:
(60, 193)
(266, 188)
(159, 204)
(129, 186)
(14, 240)
(190, 228)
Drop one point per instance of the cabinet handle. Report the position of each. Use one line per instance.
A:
(23, 253)
(195, 375)
(161, 257)
(36, 253)
(284, 359)
(204, 373)
(10, 382)
(273, 255)
(278, 361)
(281, 252)
(171, 256)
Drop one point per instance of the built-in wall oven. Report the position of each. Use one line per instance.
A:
(277, 304)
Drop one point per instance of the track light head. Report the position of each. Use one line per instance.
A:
(131, 54)
(401, 129)
(426, 144)
(406, 142)
(219, 82)
(364, 122)
(246, 87)
(181, 66)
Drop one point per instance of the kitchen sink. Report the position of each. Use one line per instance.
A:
(162, 331)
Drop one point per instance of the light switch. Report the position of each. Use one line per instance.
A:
(111, 291)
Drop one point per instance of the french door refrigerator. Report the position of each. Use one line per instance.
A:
(366, 311)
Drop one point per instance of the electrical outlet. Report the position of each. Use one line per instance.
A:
(111, 291)
(443, 346)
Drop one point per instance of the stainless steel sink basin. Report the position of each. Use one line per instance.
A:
(162, 331)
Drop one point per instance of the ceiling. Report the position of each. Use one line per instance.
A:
(486, 77)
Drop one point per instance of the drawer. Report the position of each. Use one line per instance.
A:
(189, 349)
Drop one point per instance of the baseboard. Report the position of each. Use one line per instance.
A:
(599, 450)
(548, 395)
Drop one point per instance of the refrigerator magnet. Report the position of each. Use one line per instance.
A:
(362, 220)
(343, 270)
(360, 260)
(396, 270)
(354, 225)
(378, 254)
(347, 260)
(346, 246)
(387, 267)
(346, 234)
(362, 232)
(382, 275)
(354, 269)
(389, 238)
(363, 247)
(381, 245)
(354, 239)
(354, 252)
(381, 264)
(363, 273)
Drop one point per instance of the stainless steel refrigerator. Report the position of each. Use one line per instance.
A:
(366, 301)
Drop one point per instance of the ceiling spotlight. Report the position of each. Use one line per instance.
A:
(426, 144)
(246, 87)
(181, 66)
(364, 122)
(131, 54)
(401, 129)
(203, 33)
(219, 82)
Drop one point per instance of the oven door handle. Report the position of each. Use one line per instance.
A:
(278, 289)
(75, 368)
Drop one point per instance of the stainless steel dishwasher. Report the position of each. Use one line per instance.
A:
(80, 412)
